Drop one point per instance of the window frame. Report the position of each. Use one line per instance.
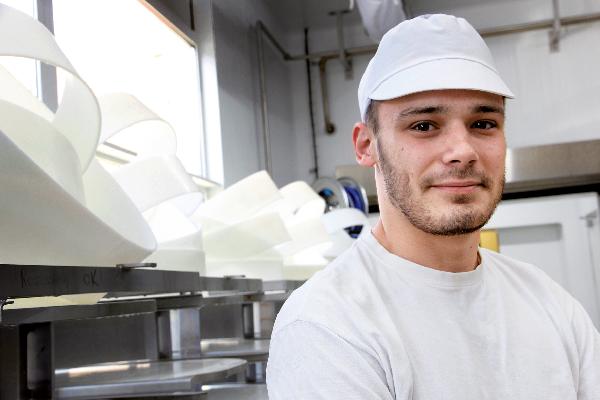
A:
(48, 85)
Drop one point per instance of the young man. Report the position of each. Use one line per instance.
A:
(415, 310)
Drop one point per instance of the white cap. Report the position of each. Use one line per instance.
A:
(429, 52)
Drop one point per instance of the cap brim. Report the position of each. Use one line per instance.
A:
(440, 74)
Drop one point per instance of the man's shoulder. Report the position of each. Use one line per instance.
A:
(508, 265)
(526, 278)
(327, 293)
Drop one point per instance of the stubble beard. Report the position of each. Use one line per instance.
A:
(462, 219)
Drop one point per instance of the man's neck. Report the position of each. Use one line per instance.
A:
(444, 253)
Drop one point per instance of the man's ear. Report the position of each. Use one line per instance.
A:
(364, 144)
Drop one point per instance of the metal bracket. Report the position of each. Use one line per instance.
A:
(556, 28)
(262, 80)
(136, 265)
(343, 55)
(329, 126)
(590, 218)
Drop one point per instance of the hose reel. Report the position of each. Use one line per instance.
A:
(340, 193)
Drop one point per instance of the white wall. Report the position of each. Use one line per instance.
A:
(333, 149)
(239, 92)
(558, 94)
(238, 132)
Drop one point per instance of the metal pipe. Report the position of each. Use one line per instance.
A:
(329, 126)
(192, 15)
(339, 24)
(262, 28)
(334, 54)
(323, 57)
(505, 30)
(315, 170)
(555, 33)
(544, 24)
(346, 61)
(263, 99)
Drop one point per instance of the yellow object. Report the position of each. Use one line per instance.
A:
(489, 240)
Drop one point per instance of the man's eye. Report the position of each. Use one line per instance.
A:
(423, 126)
(484, 125)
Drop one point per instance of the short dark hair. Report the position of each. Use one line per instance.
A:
(371, 116)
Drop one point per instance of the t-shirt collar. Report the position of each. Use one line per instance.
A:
(414, 271)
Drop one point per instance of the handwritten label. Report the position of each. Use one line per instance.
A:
(89, 278)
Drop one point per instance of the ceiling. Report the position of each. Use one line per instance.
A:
(314, 14)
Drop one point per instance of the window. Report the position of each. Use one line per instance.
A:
(126, 46)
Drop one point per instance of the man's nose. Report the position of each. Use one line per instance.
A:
(460, 148)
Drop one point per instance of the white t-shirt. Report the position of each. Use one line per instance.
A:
(375, 326)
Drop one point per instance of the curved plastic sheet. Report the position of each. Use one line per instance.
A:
(14, 92)
(44, 146)
(43, 224)
(125, 119)
(247, 238)
(180, 242)
(269, 269)
(59, 207)
(169, 224)
(107, 200)
(154, 180)
(238, 202)
(298, 203)
(78, 114)
(314, 237)
(78, 118)
(305, 202)
(156, 175)
(304, 234)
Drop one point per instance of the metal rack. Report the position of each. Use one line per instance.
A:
(144, 378)
(170, 300)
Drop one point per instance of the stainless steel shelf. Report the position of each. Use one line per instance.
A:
(198, 301)
(248, 349)
(229, 291)
(143, 378)
(211, 290)
(139, 291)
(48, 314)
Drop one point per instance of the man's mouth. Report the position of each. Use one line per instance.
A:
(458, 186)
